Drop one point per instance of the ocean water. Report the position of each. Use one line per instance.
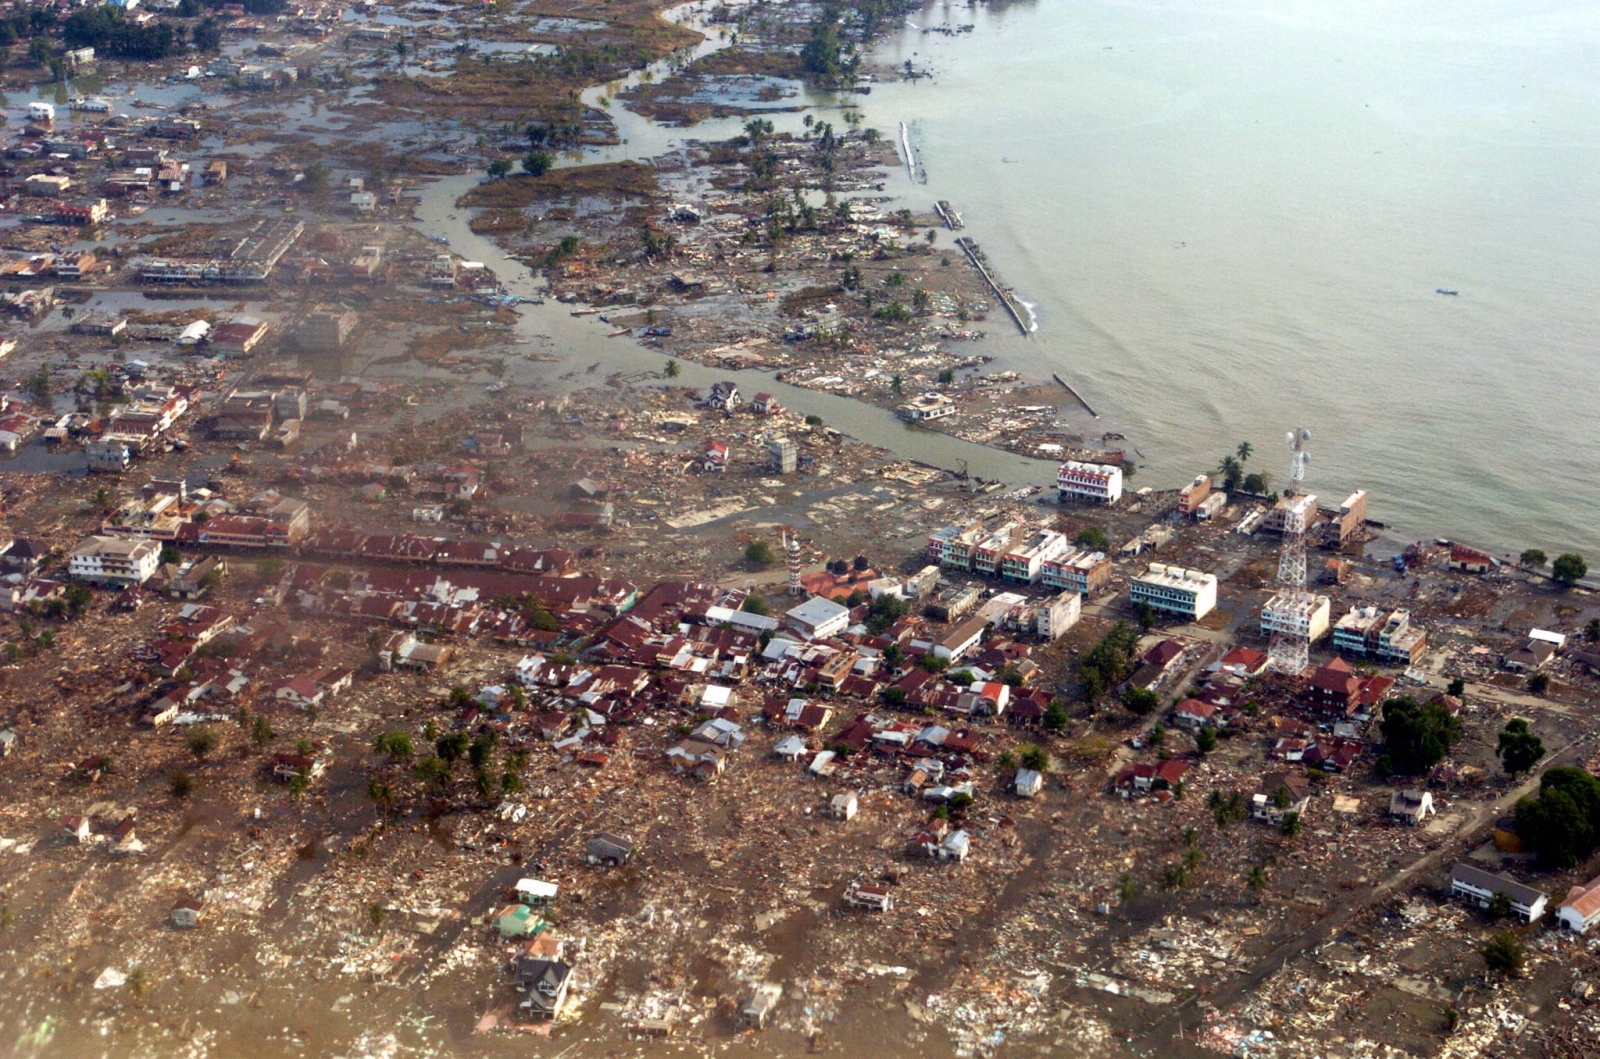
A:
(1231, 219)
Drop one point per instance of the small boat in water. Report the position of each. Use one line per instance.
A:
(1446, 290)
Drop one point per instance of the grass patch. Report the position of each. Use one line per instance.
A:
(622, 179)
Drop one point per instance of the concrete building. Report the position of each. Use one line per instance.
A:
(110, 455)
(818, 618)
(958, 641)
(1352, 515)
(1025, 561)
(1481, 887)
(1190, 594)
(46, 184)
(927, 406)
(1305, 504)
(326, 329)
(1053, 617)
(1091, 481)
(1191, 496)
(1083, 572)
(114, 561)
(1387, 637)
(785, 455)
(1306, 617)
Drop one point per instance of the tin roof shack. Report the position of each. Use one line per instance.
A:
(609, 849)
(759, 1008)
(187, 912)
(1480, 887)
(1470, 560)
(1029, 783)
(544, 984)
(844, 806)
(536, 893)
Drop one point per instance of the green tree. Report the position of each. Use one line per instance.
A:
(1243, 451)
(1534, 557)
(1416, 736)
(1568, 569)
(381, 795)
(756, 603)
(673, 370)
(1503, 952)
(451, 746)
(1519, 748)
(538, 163)
(1205, 740)
(1290, 826)
(498, 168)
(1146, 615)
(1140, 701)
(1055, 717)
(1093, 537)
(207, 35)
(261, 732)
(1257, 879)
(760, 553)
(181, 783)
(481, 752)
(200, 741)
(896, 384)
(947, 376)
(510, 782)
(1034, 757)
(433, 772)
(1231, 471)
(1457, 687)
(1562, 822)
(1500, 905)
(396, 744)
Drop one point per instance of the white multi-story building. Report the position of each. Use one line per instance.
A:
(927, 406)
(1384, 636)
(1025, 561)
(1189, 594)
(114, 561)
(1095, 481)
(1305, 616)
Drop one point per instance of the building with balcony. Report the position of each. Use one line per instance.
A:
(1189, 594)
(114, 561)
(1383, 636)
(1083, 572)
(1296, 614)
(1090, 481)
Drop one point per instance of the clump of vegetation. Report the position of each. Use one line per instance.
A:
(1416, 737)
(1562, 823)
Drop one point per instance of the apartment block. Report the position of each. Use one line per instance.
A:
(1091, 481)
(1190, 594)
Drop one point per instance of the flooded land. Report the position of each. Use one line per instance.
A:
(515, 542)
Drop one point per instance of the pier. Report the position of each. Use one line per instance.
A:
(975, 255)
(1068, 387)
(952, 219)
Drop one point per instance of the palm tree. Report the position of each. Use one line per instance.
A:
(1244, 450)
(382, 796)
